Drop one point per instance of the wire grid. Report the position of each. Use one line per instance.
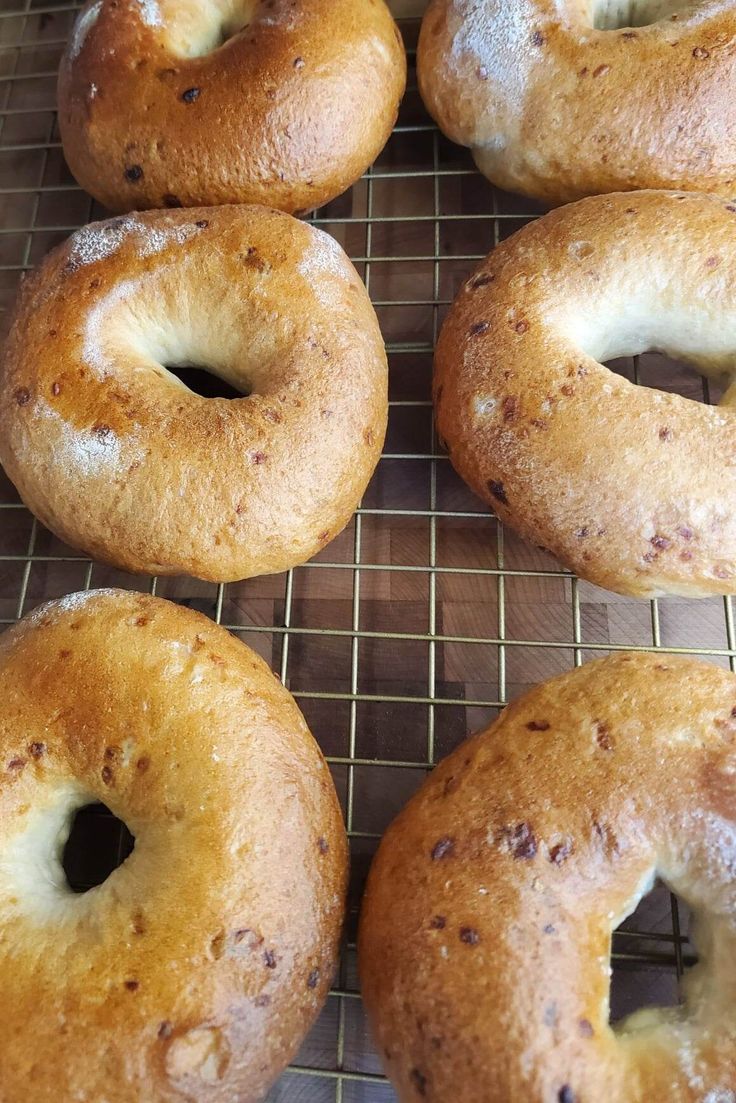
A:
(425, 617)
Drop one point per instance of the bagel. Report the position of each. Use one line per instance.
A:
(119, 458)
(630, 487)
(171, 103)
(485, 936)
(559, 99)
(194, 971)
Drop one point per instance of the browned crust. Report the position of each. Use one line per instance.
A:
(485, 933)
(630, 487)
(565, 111)
(289, 113)
(196, 969)
(144, 474)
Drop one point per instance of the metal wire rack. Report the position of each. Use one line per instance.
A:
(425, 617)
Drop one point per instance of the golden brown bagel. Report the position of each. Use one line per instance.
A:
(157, 110)
(115, 455)
(194, 971)
(632, 488)
(559, 99)
(485, 936)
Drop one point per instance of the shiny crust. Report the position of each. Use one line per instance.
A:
(485, 935)
(630, 487)
(196, 969)
(118, 458)
(288, 113)
(557, 110)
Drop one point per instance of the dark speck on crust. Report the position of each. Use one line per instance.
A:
(323, 845)
(685, 532)
(22, 396)
(537, 39)
(270, 959)
(510, 407)
(16, 763)
(603, 736)
(665, 433)
(560, 853)
(438, 923)
(549, 928)
(313, 978)
(538, 726)
(701, 53)
(298, 62)
(202, 224)
(498, 491)
(443, 848)
(469, 936)
(133, 173)
(419, 1082)
(172, 201)
(36, 750)
(483, 279)
(107, 775)
(259, 457)
(479, 327)
(566, 1094)
(165, 1029)
(191, 94)
(660, 542)
(521, 841)
(132, 985)
(586, 1028)
(263, 1000)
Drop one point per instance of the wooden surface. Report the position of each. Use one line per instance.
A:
(448, 617)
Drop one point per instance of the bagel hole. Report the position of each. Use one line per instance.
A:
(229, 25)
(204, 382)
(614, 15)
(674, 376)
(225, 32)
(650, 951)
(98, 844)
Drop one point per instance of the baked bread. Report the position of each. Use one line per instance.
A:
(194, 971)
(119, 458)
(485, 937)
(560, 99)
(630, 487)
(171, 103)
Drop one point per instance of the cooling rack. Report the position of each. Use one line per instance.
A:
(426, 616)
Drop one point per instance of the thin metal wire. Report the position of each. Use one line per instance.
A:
(449, 174)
